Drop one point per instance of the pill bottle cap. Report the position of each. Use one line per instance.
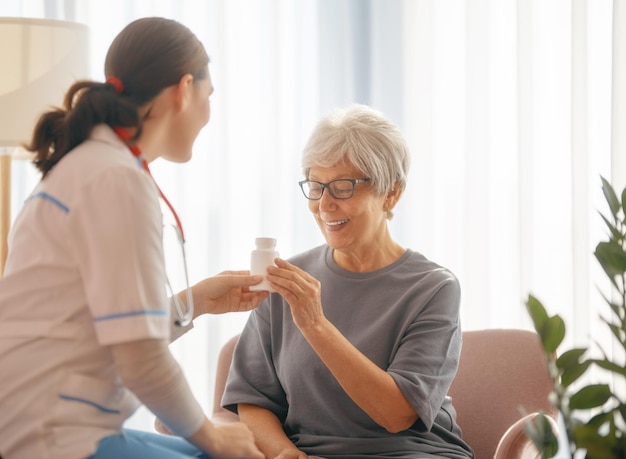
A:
(265, 242)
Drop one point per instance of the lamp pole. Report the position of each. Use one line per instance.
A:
(5, 204)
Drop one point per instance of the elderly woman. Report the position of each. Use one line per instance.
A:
(354, 354)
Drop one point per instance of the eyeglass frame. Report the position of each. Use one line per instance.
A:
(327, 185)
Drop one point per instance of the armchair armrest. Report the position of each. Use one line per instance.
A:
(515, 443)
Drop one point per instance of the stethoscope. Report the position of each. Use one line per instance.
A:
(185, 315)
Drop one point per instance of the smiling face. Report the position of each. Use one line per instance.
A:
(356, 228)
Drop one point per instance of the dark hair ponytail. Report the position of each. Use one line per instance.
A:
(86, 104)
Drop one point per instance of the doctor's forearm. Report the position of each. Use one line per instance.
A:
(148, 369)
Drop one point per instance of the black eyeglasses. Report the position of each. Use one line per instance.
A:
(338, 189)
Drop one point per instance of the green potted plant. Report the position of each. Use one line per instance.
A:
(593, 415)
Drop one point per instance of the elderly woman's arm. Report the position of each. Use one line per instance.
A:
(370, 387)
(373, 389)
(268, 433)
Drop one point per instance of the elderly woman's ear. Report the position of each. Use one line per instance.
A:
(391, 200)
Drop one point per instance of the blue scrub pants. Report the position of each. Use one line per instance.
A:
(133, 444)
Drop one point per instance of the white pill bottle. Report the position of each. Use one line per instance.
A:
(262, 257)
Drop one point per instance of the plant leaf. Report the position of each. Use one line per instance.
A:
(600, 419)
(610, 196)
(621, 409)
(624, 201)
(570, 358)
(612, 258)
(615, 233)
(616, 308)
(573, 372)
(537, 312)
(611, 366)
(591, 396)
(617, 330)
(552, 333)
(539, 430)
(597, 446)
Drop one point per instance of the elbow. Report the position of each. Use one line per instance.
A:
(399, 423)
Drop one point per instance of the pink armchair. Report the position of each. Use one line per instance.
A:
(502, 382)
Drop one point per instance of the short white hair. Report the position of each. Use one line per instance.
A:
(365, 138)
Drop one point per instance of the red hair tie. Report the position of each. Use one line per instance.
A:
(116, 83)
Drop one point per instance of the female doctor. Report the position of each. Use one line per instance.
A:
(84, 313)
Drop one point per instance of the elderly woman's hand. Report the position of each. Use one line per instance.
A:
(300, 290)
(291, 453)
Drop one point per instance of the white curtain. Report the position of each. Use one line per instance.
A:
(513, 110)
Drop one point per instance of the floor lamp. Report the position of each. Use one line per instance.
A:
(40, 59)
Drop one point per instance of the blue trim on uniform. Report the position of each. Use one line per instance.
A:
(89, 402)
(148, 312)
(52, 199)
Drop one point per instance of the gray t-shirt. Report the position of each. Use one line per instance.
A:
(404, 318)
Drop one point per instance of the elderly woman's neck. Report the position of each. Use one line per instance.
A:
(368, 258)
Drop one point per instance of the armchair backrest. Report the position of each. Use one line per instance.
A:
(502, 376)
(224, 359)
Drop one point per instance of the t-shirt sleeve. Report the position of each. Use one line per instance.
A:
(119, 247)
(427, 358)
(252, 378)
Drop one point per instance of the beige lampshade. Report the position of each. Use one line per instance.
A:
(40, 59)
